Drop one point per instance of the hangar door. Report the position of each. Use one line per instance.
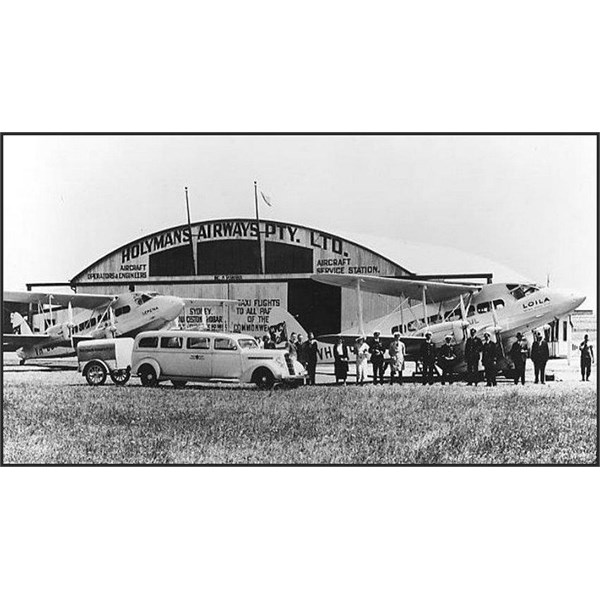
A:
(316, 306)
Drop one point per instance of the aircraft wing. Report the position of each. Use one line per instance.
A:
(89, 301)
(207, 301)
(14, 340)
(436, 291)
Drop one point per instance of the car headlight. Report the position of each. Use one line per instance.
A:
(280, 361)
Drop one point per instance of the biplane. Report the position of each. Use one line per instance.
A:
(444, 308)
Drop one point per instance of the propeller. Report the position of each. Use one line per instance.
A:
(497, 330)
(113, 327)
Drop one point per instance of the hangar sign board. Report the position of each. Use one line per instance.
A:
(235, 250)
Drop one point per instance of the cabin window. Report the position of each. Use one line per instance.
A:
(148, 342)
(122, 310)
(171, 342)
(484, 307)
(198, 343)
(565, 331)
(225, 344)
(471, 311)
(498, 304)
(93, 322)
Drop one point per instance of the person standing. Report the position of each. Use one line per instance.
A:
(311, 354)
(291, 347)
(473, 347)
(446, 359)
(377, 351)
(397, 352)
(362, 358)
(518, 354)
(489, 357)
(340, 357)
(428, 359)
(540, 353)
(587, 358)
(301, 350)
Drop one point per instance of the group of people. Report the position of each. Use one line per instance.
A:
(476, 350)
(376, 352)
(488, 352)
(304, 351)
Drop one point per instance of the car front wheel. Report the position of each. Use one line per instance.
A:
(263, 378)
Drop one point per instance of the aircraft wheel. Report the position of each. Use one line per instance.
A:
(263, 378)
(148, 376)
(95, 373)
(121, 376)
(178, 383)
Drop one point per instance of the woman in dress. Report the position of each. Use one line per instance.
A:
(340, 356)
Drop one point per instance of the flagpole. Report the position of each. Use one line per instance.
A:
(262, 270)
(187, 204)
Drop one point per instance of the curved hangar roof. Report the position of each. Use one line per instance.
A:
(229, 250)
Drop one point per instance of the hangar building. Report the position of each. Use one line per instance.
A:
(232, 259)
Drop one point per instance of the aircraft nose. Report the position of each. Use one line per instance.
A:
(577, 300)
(176, 305)
(572, 299)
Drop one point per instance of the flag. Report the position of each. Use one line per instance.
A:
(266, 198)
(278, 333)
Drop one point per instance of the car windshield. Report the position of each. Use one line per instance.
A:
(247, 343)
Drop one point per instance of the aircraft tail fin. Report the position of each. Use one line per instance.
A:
(19, 324)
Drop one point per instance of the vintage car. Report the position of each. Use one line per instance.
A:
(99, 358)
(182, 356)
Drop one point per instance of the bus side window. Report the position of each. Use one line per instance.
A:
(198, 343)
(148, 342)
(171, 342)
(225, 344)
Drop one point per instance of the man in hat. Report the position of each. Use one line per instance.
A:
(397, 352)
(472, 352)
(540, 353)
(489, 357)
(518, 354)
(377, 351)
(362, 358)
(428, 359)
(446, 359)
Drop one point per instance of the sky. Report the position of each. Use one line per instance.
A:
(527, 202)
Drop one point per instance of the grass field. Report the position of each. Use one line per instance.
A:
(56, 418)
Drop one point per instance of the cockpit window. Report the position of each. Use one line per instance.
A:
(140, 299)
(520, 291)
